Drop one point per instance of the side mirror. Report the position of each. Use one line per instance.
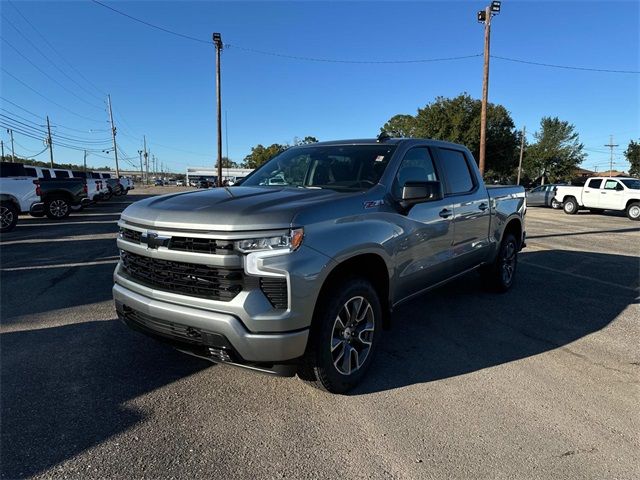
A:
(420, 192)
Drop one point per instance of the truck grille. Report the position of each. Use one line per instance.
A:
(275, 289)
(184, 278)
(186, 244)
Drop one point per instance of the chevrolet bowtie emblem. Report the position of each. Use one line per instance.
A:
(153, 240)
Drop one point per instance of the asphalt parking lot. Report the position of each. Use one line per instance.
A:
(541, 382)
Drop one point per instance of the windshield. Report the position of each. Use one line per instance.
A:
(338, 167)
(632, 183)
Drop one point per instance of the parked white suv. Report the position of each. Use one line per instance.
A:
(17, 194)
(602, 193)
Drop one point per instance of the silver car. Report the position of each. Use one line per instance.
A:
(543, 196)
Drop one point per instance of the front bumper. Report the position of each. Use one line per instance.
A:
(202, 329)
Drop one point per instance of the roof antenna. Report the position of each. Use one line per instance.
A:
(383, 137)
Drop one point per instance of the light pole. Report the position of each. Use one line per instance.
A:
(484, 16)
(217, 40)
(140, 152)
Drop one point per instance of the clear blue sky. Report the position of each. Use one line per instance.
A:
(163, 86)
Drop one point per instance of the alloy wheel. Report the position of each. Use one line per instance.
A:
(508, 262)
(59, 208)
(352, 335)
(634, 211)
(6, 217)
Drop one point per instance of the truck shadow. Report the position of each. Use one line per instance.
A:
(67, 388)
(460, 328)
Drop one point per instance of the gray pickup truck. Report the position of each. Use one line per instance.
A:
(301, 275)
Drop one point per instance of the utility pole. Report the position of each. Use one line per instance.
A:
(2, 146)
(13, 151)
(611, 147)
(146, 157)
(484, 16)
(141, 171)
(217, 40)
(49, 141)
(85, 161)
(524, 132)
(113, 135)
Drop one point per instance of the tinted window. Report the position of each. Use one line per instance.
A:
(31, 172)
(8, 169)
(61, 173)
(536, 190)
(106, 175)
(594, 183)
(417, 166)
(95, 175)
(610, 185)
(79, 174)
(46, 173)
(632, 183)
(457, 170)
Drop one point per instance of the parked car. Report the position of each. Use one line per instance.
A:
(95, 190)
(158, 183)
(602, 193)
(58, 196)
(205, 184)
(17, 194)
(113, 186)
(179, 183)
(127, 185)
(544, 196)
(302, 277)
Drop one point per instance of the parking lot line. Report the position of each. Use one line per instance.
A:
(64, 223)
(63, 239)
(58, 265)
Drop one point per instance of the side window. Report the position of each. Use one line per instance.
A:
(31, 172)
(536, 190)
(46, 173)
(610, 185)
(594, 183)
(417, 166)
(61, 173)
(457, 171)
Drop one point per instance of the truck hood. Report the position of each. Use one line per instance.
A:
(228, 209)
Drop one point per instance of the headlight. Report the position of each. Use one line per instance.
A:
(290, 241)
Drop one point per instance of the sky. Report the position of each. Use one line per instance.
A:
(61, 59)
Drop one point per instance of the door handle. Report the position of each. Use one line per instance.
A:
(603, 193)
(445, 213)
(483, 206)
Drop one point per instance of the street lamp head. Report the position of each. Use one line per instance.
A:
(217, 39)
(495, 7)
(482, 16)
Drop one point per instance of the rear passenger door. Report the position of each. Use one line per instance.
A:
(471, 212)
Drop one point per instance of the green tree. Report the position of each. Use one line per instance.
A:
(458, 120)
(401, 125)
(305, 141)
(260, 154)
(228, 163)
(557, 151)
(632, 153)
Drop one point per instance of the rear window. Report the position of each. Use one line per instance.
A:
(594, 183)
(456, 170)
(8, 169)
(95, 175)
(61, 173)
(79, 174)
(106, 175)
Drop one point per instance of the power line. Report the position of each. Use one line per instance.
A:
(47, 98)
(58, 53)
(65, 137)
(47, 75)
(568, 67)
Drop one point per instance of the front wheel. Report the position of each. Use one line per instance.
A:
(8, 217)
(501, 273)
(344, 337)
(57, 208)
(633, 211)
(570, 206)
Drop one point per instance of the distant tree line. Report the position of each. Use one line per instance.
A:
(554, 155)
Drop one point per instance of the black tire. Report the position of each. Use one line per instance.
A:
(328, 368)
(57, 208)
(570, 206)
(556, 205)
(633, 211)
(8, 216)
(500, 275)
(107, 196)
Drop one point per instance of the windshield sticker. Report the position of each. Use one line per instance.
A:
(373, 203)
(380, 158)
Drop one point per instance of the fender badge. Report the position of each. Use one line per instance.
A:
(373, 203)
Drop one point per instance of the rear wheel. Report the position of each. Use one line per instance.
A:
(501, 273)
(555, 204)
(633, 211)
(345, 334)
(107, 195)
(570, 206)
(8, 216)
(57, 208)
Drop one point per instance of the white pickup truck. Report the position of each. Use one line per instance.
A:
(602, 193)
(17, 194)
